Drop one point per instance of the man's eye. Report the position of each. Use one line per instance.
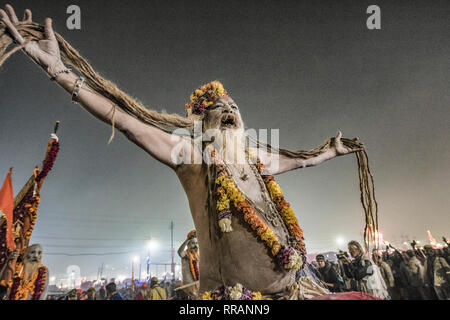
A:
(234, 106)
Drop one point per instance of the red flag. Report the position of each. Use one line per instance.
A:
(7, 207)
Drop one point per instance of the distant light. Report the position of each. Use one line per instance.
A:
(52, 278)
(135, 259)
(340, 241)
(152, 245)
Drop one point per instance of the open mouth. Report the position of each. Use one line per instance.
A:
(228, 121)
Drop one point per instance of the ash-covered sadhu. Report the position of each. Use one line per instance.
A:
(250, 240)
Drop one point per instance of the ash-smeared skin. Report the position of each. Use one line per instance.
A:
(230, 258)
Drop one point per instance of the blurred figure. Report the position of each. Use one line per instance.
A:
(417, 282)
(447, 254)
(437, 274)
(402, 276)
(101, 294)
(142, 292)
(328, 275)
(385, 271)
(156, 292)
(90, 294)
(71, 295)
(112, 293)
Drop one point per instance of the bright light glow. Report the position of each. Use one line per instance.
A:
(340, 241)
(121, 277)
(135, 259)
(52, 278)
(152, 245)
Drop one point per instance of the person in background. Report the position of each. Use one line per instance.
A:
(328, 275)
(156, 292)
(447, 254)
(71, 295)
(402, 276)
(359, 269)
(101, 294)
(90, 294)
(417, 282)
(142, 292)
(347, 281)
(437, 274)
(112, 293)
(385, 271)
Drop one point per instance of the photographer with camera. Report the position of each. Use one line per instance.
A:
(364, 274)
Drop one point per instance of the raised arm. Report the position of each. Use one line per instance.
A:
(46, 54)
(181, 250)
(277, 164)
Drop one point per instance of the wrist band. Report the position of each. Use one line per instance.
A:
(77, 88)
(53, 77)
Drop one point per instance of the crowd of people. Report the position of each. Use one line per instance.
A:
(151, 290)
(415, 274)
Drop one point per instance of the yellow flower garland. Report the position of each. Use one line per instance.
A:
(228, 191)
(235, 195)
(28, 287)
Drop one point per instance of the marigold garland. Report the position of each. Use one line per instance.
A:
(34, 287)
(204, 97)
(193, 264)
(284, 209)
(227, 192)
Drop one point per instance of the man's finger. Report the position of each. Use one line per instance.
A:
(28, 16)
(49, 34)
(12, 29)
(339, 135)
(12, 14)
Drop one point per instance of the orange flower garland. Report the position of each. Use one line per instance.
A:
(284, 208)
(227, 190)
(193, 264)
(34, 287)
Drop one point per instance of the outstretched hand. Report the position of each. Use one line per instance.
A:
(44, 52)
(340, 148)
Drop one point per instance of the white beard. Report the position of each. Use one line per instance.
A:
(30, 268)
(232, 146)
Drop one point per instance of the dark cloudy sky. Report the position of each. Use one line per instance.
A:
(306, 68)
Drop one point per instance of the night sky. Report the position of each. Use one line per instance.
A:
(306, 68)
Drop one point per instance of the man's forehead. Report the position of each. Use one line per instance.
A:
(225, 99)
(34, 248)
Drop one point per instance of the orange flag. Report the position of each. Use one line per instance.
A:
(7, 207)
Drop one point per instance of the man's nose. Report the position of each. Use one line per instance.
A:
(227, 109)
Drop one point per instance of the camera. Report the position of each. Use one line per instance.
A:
(341, 255)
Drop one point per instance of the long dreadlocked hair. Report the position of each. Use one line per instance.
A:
(170, 122)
